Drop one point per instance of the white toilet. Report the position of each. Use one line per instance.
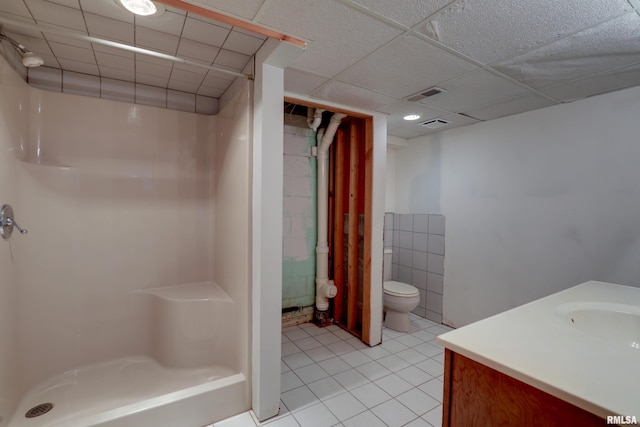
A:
(398, 298)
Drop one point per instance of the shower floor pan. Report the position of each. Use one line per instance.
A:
(134, 391)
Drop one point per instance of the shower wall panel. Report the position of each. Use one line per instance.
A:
(116, 197)
(14, 98)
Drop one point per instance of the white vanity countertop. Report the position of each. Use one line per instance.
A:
(537, 344)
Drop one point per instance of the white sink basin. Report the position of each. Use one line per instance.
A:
(612, 322)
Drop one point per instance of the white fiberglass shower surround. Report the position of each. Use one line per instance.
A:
(128, 303)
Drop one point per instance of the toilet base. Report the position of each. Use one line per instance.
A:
(398, 321)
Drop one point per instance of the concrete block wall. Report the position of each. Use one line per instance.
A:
(299, 216)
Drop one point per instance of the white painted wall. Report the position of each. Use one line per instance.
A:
(534, 203)
(417, 177)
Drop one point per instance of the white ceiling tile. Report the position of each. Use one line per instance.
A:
(515, 105)
(152, 69)
(113, 51)
(68, 3)
(150, 80)
(233, 60)
(168, 22)
(249, 33)
(197, 51)
(491, 30)
(67, 40)
(114, 61)
(411, 12)
(52, 13)
(396, 68)
(473, 89)
(188, 76)
(15, 8)
(402, 108)
(242, 43)
(156, 40)
(335, 45)
(301, 82)
(99, 26)
(594, 85)
(108, 9)
(117, 73)
(49, 60)
(72, 52)
(214, 80)
(351, 95)
(244, 8)
(34, 44)
(140, 57)
(78, 66)
(19, 32)
(608, 46)
(406, 132)
(204, 32)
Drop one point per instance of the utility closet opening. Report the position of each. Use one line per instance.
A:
(348, 215)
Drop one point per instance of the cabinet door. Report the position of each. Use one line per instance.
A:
(476, 395)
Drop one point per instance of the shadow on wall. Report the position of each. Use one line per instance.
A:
(426, 186)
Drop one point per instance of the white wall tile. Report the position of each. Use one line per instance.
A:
(435, 282)
(435, 264)
(406, 222)
(404, 274)
(420, 242)
(405, 257)
(420, 222)
(436, 224)
(406, 239)
(419, 279)
(419, 260)
(434, 302)
(436, 244)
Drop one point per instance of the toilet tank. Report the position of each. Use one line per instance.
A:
(386, 267)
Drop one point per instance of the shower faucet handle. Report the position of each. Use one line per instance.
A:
(12, 222)
(7, 222)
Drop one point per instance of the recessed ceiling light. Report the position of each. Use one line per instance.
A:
(142, 7)
(412, 117)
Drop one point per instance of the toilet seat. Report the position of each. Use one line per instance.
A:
(399, 289)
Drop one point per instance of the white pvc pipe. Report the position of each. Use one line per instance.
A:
(325, 288)
(314, 118)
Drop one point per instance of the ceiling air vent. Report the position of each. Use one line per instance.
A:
(425, 94)
(434, 124)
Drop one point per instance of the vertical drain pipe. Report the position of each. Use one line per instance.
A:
(325, 288)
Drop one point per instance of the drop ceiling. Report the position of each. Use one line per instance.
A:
(493, 58)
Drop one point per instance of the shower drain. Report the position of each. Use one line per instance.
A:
(38, 410)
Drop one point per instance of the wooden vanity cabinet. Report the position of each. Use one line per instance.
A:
(476, 395)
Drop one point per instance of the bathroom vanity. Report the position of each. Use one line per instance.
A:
(567, 359)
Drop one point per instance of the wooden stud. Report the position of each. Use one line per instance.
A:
(338, 223)
(368, 220)
(352, 271)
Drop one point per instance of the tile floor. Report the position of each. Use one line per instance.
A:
(330, 378)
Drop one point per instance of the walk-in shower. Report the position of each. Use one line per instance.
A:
(127, 303)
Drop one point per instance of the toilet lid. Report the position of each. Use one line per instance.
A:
(400, 289)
